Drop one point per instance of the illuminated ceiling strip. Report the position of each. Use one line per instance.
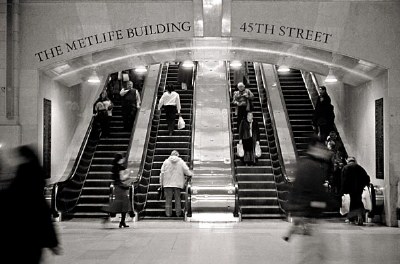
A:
(222, 48)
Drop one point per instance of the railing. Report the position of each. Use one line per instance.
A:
(59, 186)
(188, 195)
(148, 135)
(261, 82)
(237, 211)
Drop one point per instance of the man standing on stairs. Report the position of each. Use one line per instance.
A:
(172, 105)
(242, 99)
(324, 116)
(130, 101)
(172, 179)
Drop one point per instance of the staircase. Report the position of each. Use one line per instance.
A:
(299, 108)
(160, 147)
(257, 188)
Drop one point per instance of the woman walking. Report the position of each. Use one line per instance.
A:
(102, 109)
(172, 105)
(249, 136)
(242, 99)
(121, 204)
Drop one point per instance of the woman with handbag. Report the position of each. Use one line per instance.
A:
(243, 101)
(249, 136)
(121, 204)
(172, 105)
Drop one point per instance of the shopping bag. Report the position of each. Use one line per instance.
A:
(181, 123)
(366, 199)
(345, 208)
(257, 150)
(240, 150)
(184, 86)
(160, 193)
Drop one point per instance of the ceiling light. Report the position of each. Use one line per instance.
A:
(188, 64)
(94, 78)
(330, 78)
(283, 68)
(140, 69)
(235, 64)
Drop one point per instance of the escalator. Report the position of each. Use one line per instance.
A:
(160, 146)
(88, 189)
(299, 108)
(258, 196)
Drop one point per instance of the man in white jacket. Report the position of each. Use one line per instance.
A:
(172, 179)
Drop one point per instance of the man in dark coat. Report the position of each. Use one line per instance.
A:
(130, 101)
(324, 115)
(354, 179)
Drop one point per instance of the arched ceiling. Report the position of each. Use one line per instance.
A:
(352, 71)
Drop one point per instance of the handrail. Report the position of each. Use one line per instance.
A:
(188, 196)
(75, 167)
(278, 84)
(144, 154)
(270, 110)
(237, 211)
(261, 83)
(149, 126)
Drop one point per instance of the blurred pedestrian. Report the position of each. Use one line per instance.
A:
(243, 101)
(324, 116)
(171, 103)
(121, 203)
(172, 180)
(130, 102)
(23, 242)
(249, 136)
(102, 109)
(308, 197)
(354, 179)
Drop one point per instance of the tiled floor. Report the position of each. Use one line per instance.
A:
(173, 242)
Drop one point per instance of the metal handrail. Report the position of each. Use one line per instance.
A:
(188, 195)
(237, 210)
(143, 162)
(270, 110)
(74, 169)
(262, 83)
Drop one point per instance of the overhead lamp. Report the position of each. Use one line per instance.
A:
(283, 68)
(236, 64)
(140, 69)
(94, 78)
(330, 78)
(188, 64)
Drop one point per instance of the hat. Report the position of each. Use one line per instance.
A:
(175, 153)
(351, 159)
(240, 84)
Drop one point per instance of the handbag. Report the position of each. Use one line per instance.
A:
(366, 199)
(181, 123)
(345, 208)
(257, 150)
(240, 150)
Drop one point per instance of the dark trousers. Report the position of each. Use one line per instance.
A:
(241, 114)
(104, 121)
(170, 114)
(356, 205)
(128, 117)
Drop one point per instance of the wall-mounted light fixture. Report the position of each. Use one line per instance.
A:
(235, 64)
(188, 64)
(330, 78)
(94, 78)
(283, 68)
(140, 69)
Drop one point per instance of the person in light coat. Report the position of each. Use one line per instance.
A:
(172, 179)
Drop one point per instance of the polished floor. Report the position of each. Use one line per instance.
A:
(250, 241)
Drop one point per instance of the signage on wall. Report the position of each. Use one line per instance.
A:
(112, 36)
(285, 31)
